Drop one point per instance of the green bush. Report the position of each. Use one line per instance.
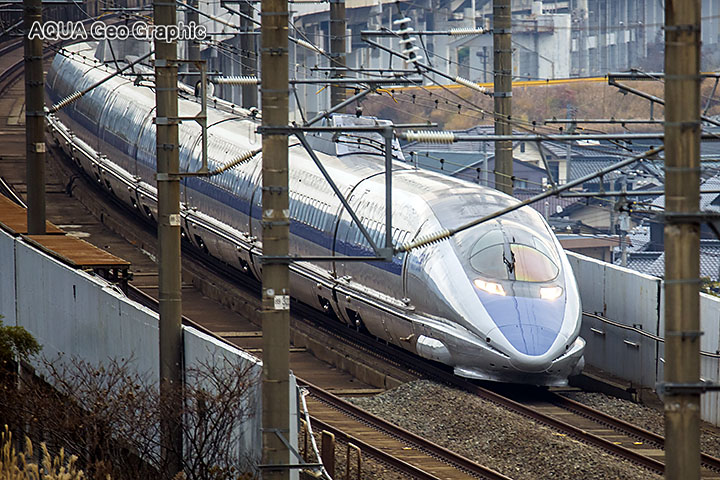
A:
(16, 343)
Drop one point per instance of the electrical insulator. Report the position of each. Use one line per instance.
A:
(236, 80)
(430, 136)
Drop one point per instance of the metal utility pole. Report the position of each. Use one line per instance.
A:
(502, 64)
(275, 232)
(168, 187)
(682, 239)
(337, 49)
(248, 59)
(34, 122)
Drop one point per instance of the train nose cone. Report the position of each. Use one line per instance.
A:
(530, 325)
(529, 339)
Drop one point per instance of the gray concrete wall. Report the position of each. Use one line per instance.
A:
(631, 299)
(7, 279)
(75, 314)
(626, 297)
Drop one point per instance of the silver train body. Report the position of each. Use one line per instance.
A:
(496, 302)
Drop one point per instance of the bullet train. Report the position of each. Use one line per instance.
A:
(496, 302)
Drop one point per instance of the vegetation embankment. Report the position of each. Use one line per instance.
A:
(449, 107)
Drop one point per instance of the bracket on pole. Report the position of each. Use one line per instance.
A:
(285, 466)
(200, 118)
(385, 253)
(671, 388)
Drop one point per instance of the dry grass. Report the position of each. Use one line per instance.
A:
(16, 465)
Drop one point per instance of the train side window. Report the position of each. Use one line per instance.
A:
(293, 207)
(359, 238)
(306, 210)
(320, 216)
(312, 213)
(301, 209)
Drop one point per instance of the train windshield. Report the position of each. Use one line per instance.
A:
(508, 253)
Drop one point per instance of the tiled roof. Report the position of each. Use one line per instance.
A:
(706, 199)
(582, 167)
(583, 150)
(639, 238)
(641, 261)
(653, 263)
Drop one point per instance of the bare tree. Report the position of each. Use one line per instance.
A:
(109, 416)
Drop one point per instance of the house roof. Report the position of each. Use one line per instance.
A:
(639, 238)
(708, 201)
(643, 262)
(653, 263)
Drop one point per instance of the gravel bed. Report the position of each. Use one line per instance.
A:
(644, 416)
(493, 436)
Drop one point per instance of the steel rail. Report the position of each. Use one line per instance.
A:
(571, 430)
(10, 75)
(708, 461)
(374, 452)
(435, 450)
(11, 45)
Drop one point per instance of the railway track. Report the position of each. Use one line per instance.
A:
(571, 418)
(8, 54)
(389, 444)
(413, 455)
(563, 415)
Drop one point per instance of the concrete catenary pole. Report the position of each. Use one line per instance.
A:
(682, 237)
(34, 122)
(193, 45)
(502, 65)
(337, 48)
(248, 57)
(275, 231)
(168, 187)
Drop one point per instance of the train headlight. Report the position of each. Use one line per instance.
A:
(550, 293)
(490, 287)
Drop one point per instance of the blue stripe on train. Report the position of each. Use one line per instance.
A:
(241, 204)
